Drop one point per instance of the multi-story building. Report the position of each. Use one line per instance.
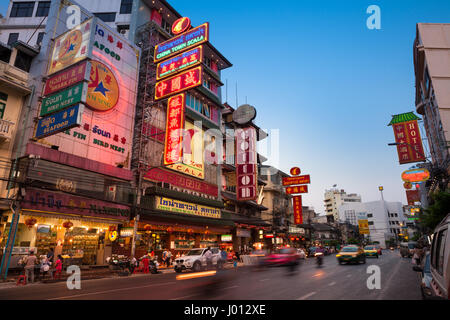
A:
(386, 219)
(432, 75)
(334, 198)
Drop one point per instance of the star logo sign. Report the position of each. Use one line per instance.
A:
(100, 88)
(71, 47)
(103, 88)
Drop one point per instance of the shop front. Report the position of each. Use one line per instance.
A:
(296, 237)
(78, 228)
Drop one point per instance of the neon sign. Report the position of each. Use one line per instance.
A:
(182, 42)
(298, 210)
(246, 169)
(181, 25)
(174, 126)
(182, 61)
(416, 175)
(179, 83)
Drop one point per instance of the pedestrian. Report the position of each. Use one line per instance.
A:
(235, 262)
(223, 257)
(58, 267)
(30, 263)
(169, 257)
(208, 256)
(45, 267)
(164, 258)
(133, 264)
(50, 255)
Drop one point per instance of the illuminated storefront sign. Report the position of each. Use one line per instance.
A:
(181, 25)
(296, 180)
(103, 88)
(226, 237)
(412, 196)
(193, 155)
(182, 42)
(174, 128)
(66, 78)
(179, 83)
(297, 189)
(246, 169)
(416, 175)
(180, 62)
(172, 205)
(296, 230)
(60, 121)
(71, 47)
(243, 233)
(298, 210)
(63, 99)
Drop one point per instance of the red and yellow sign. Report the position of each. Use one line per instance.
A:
(416, 175)
(65, 78)
(297, 189)
(181, 25)
(174, 128)
(296, 180)
(103, 89)
(298, 211)
(409, 143)
(295, 171)
(363, 226)
(179, 83)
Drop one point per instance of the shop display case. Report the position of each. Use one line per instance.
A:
(79, 244)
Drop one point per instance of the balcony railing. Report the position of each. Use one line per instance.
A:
(6, 129)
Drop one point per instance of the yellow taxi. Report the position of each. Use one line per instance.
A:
(371, 251)
(351, 253)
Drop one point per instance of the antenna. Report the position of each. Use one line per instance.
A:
(237, 104)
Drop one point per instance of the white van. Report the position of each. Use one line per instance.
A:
(440, 259)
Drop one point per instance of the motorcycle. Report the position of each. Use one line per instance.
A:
(319, 258)
(152, 263)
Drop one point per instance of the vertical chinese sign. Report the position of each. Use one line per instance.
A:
(298, 212)
(174, 125)
(296, 185)
(246, 166)
(407, 137)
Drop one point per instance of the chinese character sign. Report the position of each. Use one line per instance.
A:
(297, 189)
(409, 147)
(174, 126)
(180, 62)
(179, 83)
(246, 169)
(298, 212)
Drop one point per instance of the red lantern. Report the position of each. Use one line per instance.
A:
(169, 229)
(207, 232)
(190, 231)
(67, 224)
(147, 227)
(30, 222)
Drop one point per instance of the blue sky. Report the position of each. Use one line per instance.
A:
(316, 72)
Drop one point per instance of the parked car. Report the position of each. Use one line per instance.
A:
(195, 260)
(351, 254)
(407, 249)
(425, 276)
(440, 260)
(371, 251)
(283, 257)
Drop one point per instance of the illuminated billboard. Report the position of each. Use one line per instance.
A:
(181, 43)
(246, 164)
(416, 175)
(180, 62)
(186, 80)
(174, 127)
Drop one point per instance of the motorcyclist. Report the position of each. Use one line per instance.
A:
(319, 255)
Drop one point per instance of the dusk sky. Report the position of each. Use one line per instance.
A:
(316, 72)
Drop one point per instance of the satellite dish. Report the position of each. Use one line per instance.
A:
(244, 114)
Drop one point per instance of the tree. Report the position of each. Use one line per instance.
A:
(436, 212)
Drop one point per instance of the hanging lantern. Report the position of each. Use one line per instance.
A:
(190, 231)
(147, 227)
(207, 232)
(67, 224)
(169, 229)
(30, 222)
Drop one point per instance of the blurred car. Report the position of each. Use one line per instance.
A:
(282, 257)
(351, 254)
(425, 277)
(407, 249)
(371, 251)
(301, 253)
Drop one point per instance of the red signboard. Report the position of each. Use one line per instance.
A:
(297, 189)
(179, 83)
(246, 165)
(181, 25)
(181, 181)
(65, 79)
(295, 171)
(296, 180)
(412, 196)
(298, 212)
(64, 203)
(409, 147)
(174, 125)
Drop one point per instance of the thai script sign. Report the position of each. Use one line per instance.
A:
(66, 78)
(60, 121)
(172, 205)
(63, 99)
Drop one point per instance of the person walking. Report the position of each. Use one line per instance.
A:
(50, 255)
(58, 267)
(169, 257)
(208, 257)
(223, 258)
(164, 258)
(30, 263)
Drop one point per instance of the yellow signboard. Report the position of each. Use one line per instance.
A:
(172, 205)
(363, 226)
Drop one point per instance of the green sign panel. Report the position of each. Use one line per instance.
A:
(64, 99)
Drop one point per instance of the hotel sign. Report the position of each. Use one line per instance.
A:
(246, 165)
(166, 204)
(186, 80)
(180, 62)
(296, 180)
(60, 121)
(63, 99)
(66, 78)
(182, 42)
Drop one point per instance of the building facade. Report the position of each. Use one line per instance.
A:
(334, 198)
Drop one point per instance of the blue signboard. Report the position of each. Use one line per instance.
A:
(60, 121)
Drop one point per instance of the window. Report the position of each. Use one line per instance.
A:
(125, 6)
(43, 9)
(106, 16)
(22, 9)
(438, 259)
(13, 37)
(123, 29)
(166, 26)
(3, 98)
(39, 38)
(370, 223)
(23, 61)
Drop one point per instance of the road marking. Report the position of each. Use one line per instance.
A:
(264, 279)
(332, 284)
(349, 275)
(108, 291)
(307, 296)
(230, 287)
